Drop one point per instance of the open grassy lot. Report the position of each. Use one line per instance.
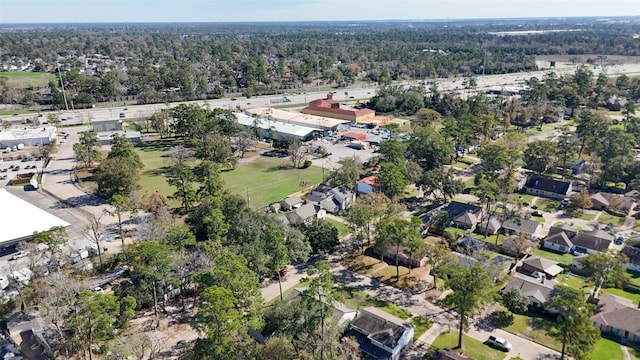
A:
(606, 349)
(357, 299)
(471, 347)
(264, 180)
(605, 218)
(343, 229)
(267, 180)
(561, 258)
(23, 79)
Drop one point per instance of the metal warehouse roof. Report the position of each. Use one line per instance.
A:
(19, 219)
(278, 126)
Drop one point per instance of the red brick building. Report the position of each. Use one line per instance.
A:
(331, 108)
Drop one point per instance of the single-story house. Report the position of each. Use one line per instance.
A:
(551, 269)
(469, 245)
(633, 253)
(547, 187)
(105, 137)
(291, 203)
(488, 226)
(537, 292)
(306, 212)
(618, 317)
(515, 226)
(609, 201)
(565, 240)
(464, 216)
(381, 335)
(509, 226)
(596, 241)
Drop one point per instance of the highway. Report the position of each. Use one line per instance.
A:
(352, 93)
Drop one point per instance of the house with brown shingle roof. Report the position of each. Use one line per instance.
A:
(609, 201)
(618, 317)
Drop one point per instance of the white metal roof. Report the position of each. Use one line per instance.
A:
(289, 116)
(19, 219)
(278, 126)
(27, 133)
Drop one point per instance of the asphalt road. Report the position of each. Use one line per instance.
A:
(357, 92)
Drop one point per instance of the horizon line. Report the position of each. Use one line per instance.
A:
(2, 24)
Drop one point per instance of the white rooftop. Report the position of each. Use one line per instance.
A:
(19, 219)
(278, 126)
(27, 133)
(289, 116)
(106, 135)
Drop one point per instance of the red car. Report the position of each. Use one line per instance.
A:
(283, 272)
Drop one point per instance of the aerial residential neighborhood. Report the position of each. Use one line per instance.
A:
(392, 189)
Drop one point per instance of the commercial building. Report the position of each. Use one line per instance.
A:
(106, 125)
(20, 219)
(28, 136)
(288, 117)
(280, 129)
(104, 138)
(331, 108)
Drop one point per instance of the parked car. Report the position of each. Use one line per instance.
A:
(619, 240)
(536, 213)
(499, 343)
(20, 255)
(564, 202)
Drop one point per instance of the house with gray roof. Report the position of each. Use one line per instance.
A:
(381, 335)
(334, 199)
(464, 216)
(565, 240)
(538, 293)
(547, 187)
(633, 253)
(551, 269)
(618, 317)
(609, 201)
(306, 212)
(519, 225)
(291, 203)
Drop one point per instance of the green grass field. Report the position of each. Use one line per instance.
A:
(619, 292)
(471, 347)
(606, 349)
(21, 79)
(539, 333)
(264, 180)
(421, 326)
(267, 180)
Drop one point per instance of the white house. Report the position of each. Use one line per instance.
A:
(381, 335)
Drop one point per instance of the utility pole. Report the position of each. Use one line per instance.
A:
(64, 95)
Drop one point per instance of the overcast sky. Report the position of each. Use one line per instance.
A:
(66, 11)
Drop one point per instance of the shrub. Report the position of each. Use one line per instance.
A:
(306, 164)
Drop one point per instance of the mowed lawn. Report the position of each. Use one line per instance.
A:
(606, 349)
(264, 180)
(23, 79)
(471, 347)
(267, 180)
